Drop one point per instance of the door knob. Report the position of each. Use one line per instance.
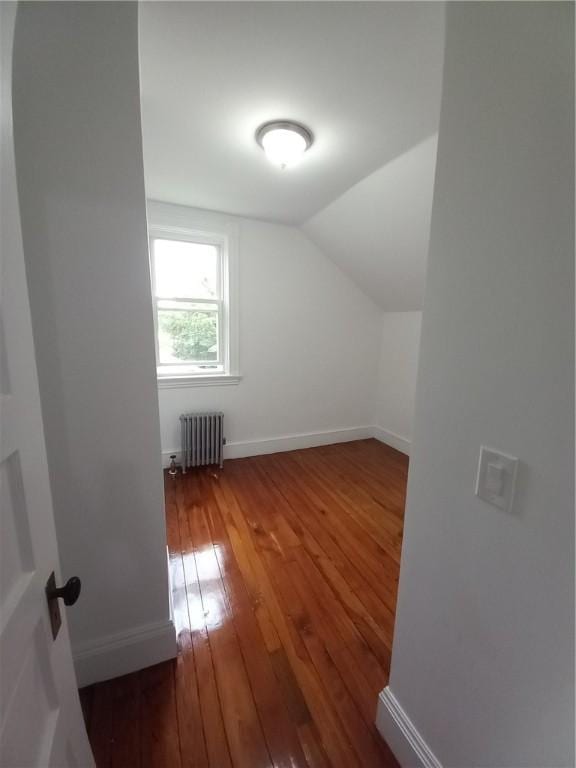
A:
(70, 592)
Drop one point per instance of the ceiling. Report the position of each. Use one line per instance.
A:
(378, 231)
(365, 77)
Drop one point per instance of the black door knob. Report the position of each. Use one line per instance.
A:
(70, 592)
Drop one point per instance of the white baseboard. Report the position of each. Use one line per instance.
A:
(244, 448)
(401, 444)
(125, 652)
(294, 442)
(401, 735)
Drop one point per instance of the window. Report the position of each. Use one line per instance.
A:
(191, 274)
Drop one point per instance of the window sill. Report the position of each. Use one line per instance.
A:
(201, 380)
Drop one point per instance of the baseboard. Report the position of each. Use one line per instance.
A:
(294, 442)
(244, 448)
(401, 444)
(125, 652)
(401, 735)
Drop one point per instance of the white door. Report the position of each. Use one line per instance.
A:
(40, 717)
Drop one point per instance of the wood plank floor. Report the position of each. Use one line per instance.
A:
(284, 572)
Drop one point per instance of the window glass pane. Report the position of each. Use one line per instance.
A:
(186, 270)
(187, 333)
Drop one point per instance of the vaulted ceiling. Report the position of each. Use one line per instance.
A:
(378, 230)
(364, 76)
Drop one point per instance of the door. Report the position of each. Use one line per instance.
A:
(40, 716)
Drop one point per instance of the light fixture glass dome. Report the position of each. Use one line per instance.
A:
(284, 141)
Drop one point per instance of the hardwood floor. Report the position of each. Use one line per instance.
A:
(284, 571)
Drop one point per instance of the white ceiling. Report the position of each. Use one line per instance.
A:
(365, 77)
(378, 231)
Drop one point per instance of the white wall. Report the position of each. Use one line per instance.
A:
(396, 389)
(81, 188)
(309, 344)
(483, 658)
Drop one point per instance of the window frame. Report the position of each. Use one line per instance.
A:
(226, 242)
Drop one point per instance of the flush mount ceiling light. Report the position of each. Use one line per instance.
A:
(284, 141)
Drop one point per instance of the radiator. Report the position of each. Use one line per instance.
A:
(202, 439)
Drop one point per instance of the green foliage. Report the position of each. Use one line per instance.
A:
(194, 334)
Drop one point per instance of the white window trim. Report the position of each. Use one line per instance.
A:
(226, 236)
(198, 380)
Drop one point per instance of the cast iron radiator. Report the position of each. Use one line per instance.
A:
(202, 439)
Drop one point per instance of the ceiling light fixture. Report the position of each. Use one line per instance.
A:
(284, 141)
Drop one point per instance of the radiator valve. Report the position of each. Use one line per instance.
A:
(172, 469)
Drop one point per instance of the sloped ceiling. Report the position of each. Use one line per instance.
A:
(378, 230)
(364, 76)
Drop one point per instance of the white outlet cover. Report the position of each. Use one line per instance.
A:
(496, 478)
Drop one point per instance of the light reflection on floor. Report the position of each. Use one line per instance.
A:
(198, 596)
(206, 564)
